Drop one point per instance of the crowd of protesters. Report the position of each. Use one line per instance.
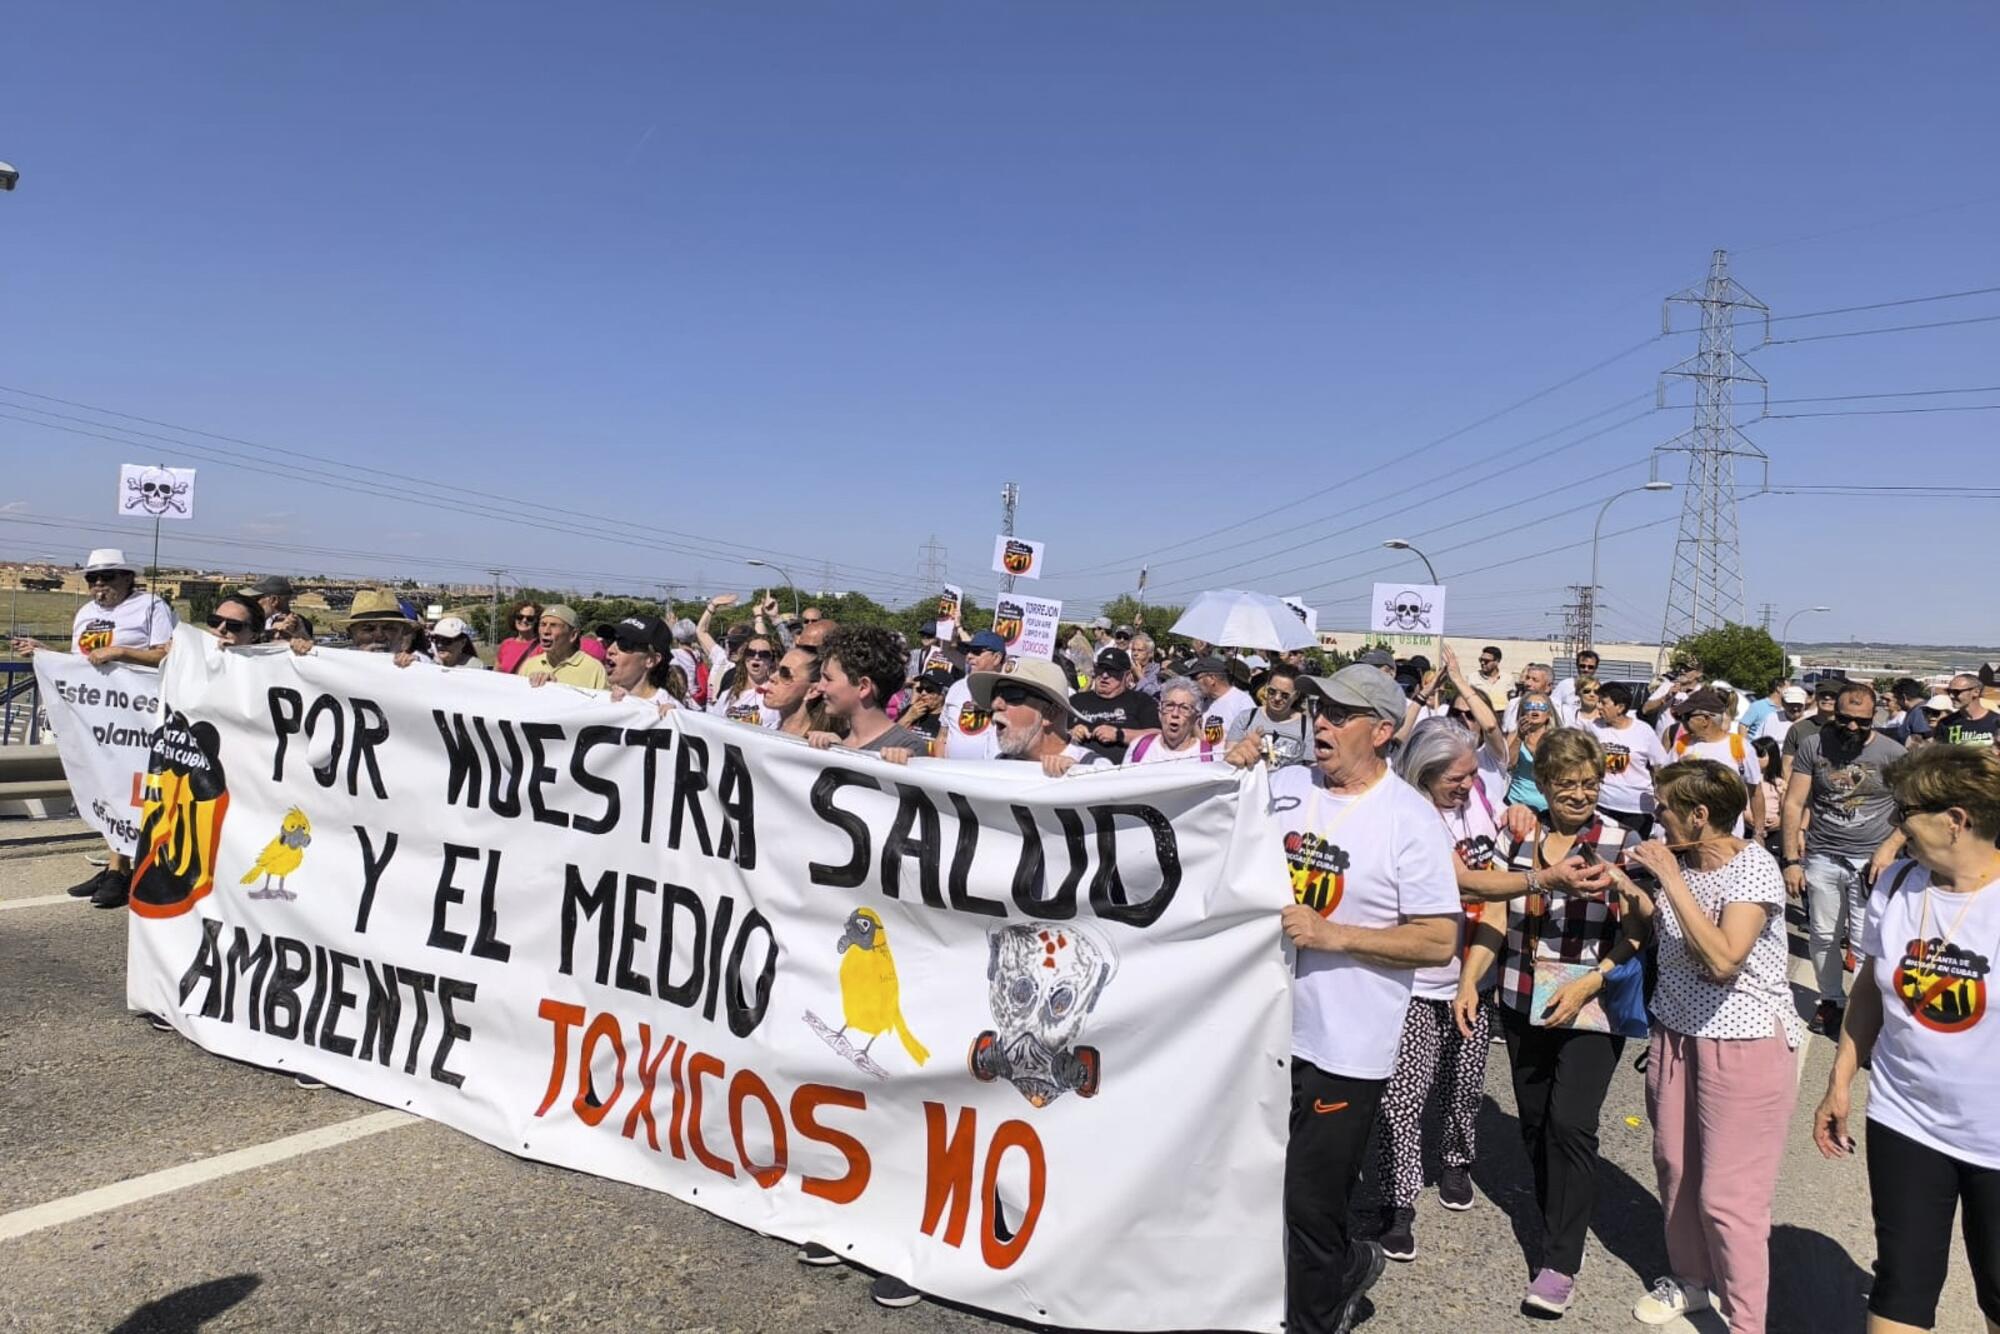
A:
(1570, 865)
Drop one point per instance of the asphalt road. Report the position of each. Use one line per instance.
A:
(415, 1227)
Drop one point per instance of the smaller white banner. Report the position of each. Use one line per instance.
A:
(1027, 624)
(1310, 615)
(104, 719)
(951, 605)
(146, 491)
(1408, 609)
(1017, 556)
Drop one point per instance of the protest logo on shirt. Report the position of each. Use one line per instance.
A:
(1617, 758)
(96, 634)
(1213, 729)
(972, 720)
(1477, 852)
(1943, 985)
(1319, 871)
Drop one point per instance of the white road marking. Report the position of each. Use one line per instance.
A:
(121, 1193)
(40, 901)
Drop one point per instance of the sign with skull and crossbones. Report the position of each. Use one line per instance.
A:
(1408, 609)
(147, 491)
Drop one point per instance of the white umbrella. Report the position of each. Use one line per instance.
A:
(1235, 619)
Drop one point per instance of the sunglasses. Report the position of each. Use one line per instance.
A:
(97, 577)
(1489, 662)
(1340, 715)
(1854, 724)
(768, 655)
(1535, 710)
(925, 688)
(1011, 694)
(228, 624)
(524, 619)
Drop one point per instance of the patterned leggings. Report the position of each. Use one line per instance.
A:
(1433, 1053)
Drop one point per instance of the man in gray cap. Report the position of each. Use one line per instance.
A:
(273, 594)
(1375, 899)
(1226, 703)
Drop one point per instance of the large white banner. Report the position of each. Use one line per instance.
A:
(149, 492)
(1022, 1042)
(103, 718)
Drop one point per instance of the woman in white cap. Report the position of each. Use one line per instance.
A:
(118, 624)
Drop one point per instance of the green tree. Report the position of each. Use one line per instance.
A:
(1743, 655)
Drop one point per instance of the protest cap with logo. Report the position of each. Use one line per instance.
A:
(1795, 695)
(452, 627)
(377, 604)
(1038, 675)
(563, 612)
(1210, 665)
(639, 634)
(1116, 661)
(270, 586)
(108, 558)
(986, 641)
(1707, 700)
(1359, 686)
(1377, 658)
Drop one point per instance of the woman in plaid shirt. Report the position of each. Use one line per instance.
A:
(1561, 1072)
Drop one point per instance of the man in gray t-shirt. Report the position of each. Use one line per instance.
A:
(1837, 778)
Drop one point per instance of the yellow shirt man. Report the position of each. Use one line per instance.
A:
(578, 669)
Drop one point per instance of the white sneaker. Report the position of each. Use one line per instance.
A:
(1669, 1300)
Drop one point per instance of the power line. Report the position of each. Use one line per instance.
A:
(1903, 393)
(1882, 305)
(1884, 412)
(1894, 328)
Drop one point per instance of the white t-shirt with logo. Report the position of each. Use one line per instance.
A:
(1631, 753)
(1220, 716)
(1936, 1070)
(1475, 842)
(140, 621)
(1376, 859)
(746, 706)
(967, 730)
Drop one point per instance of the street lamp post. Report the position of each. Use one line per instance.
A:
(1596, 533)
(1398, 544)
(1785, 635)
(790, 582)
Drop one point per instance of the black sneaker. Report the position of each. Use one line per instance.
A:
(112, 892)
(308, 1082)
(1826, 1020)
(1455, 1188)
(812, 1253)
(159, 1025)
(1362, 1271)
(1399, 1236)
(84, 889)
(892, 1292)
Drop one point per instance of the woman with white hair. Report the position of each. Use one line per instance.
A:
(1179, 737)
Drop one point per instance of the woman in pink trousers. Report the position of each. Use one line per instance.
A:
(1721, 1073)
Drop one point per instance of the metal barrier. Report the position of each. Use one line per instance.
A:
(20, 705)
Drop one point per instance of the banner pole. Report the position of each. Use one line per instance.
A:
(152, 571)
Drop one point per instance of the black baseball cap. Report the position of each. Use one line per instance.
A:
(639, 634)
(1114, 660)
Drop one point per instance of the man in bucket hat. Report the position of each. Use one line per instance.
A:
(1030, 708)
(117, 624)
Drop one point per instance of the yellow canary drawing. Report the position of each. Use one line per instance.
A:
(281, 856)
(870, 999)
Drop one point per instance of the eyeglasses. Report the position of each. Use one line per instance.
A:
(1178, 706)
(96, 577)
(228, 624)
(1903, 813)
(1273, 692)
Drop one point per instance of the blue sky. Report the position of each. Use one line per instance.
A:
(817, 279)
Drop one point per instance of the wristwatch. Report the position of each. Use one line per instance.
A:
(1786, 863)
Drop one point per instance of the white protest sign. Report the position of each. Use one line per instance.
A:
(1017, 556)
(1309, 615)
(1029, 625)
(807, 991)
(104, 719)
(1407, 609)
(149, 492)
(951, 605)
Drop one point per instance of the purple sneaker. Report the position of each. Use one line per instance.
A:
(1549, 1293)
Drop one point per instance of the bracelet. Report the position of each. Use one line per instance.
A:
(1534, 880)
